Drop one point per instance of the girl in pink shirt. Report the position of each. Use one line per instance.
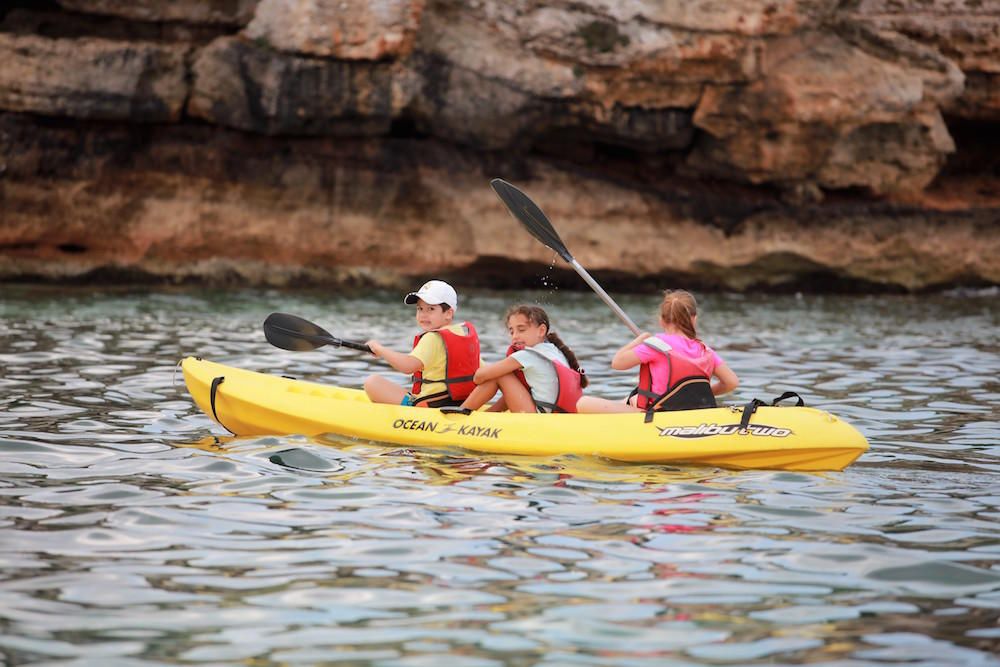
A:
(678, 317)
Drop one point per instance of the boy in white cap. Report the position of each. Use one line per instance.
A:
(442, 364)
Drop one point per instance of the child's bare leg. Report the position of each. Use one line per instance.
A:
(480, 396)
(381, 390)
(594, 404)
(516, 395)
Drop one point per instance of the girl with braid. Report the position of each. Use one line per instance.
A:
(540, 373)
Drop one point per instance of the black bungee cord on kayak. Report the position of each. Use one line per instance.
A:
(752, 406)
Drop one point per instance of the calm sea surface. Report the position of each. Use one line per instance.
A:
(133, 531)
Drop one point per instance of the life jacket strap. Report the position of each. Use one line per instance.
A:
(455, 410)
(650, 396)
(436, 400)
(452, 380)
(695, 401)
(552, 408)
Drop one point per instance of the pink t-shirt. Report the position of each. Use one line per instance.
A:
(706, 359)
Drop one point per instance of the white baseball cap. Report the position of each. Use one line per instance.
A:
(434, 292)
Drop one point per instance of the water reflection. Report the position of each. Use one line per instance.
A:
(133, 531)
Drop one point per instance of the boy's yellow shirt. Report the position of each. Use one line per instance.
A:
(430, 351)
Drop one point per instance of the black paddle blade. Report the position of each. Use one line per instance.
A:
(294, 333)
(298, 335)
(528, 213)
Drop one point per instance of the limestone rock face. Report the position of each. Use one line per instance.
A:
(787, 93)
(348, 29)
(92, 78)
(223, 12)
(204, 204)
(830, 110)
(241, 85)
(805, 95)
(701, 140)
(965, 31)
(506, 73)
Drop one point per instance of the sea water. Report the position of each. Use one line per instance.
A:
(134, 531)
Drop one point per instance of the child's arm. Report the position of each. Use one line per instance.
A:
(626, 358)
(402, 362)
(727, 380)
(493, 371)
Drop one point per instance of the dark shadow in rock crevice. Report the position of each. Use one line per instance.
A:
(46, 18)
(977, 148)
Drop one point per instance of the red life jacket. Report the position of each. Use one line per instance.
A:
(461, 363)
(568, 389)
(688, 388)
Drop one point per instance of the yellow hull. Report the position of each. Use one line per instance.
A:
(786, 438)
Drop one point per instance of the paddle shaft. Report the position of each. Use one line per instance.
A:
(535, 221)
(329, 340)
(622, 315)
(360, 347)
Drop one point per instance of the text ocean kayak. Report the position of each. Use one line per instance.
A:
(787, 438)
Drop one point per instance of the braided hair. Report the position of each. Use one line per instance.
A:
(537, 316)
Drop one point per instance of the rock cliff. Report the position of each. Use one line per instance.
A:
(778, 144)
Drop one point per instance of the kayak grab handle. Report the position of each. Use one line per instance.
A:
(214, 390)
(455, 410)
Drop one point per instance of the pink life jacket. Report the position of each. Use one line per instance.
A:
(688, 388)
(568, 389)
(461, 363)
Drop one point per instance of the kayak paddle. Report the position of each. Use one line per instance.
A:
(528, 213)
(298, 335)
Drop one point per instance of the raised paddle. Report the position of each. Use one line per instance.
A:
(528, 213)
(298, 335)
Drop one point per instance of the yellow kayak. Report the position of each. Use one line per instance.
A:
(786, 438)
